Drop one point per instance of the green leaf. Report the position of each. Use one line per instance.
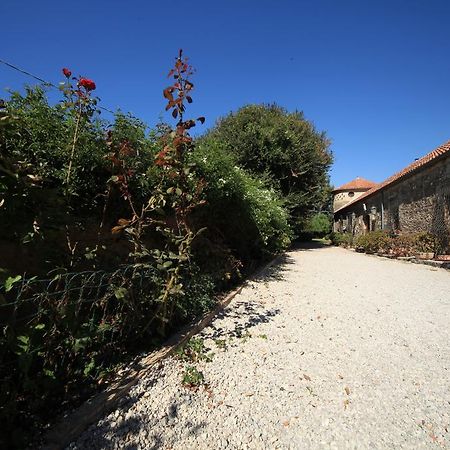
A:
(9, 283)
(24, 339)
(89, 368)
(120, 293)
(49, 373)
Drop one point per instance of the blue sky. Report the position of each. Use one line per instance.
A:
(375, 75)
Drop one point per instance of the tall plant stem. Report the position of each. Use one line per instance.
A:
(74, 142)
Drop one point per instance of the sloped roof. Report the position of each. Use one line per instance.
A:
(413, 167)
(357, 184)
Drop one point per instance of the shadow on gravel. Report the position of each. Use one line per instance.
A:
(125, 433)
(277, 271)
(245, 316)
(309, 245)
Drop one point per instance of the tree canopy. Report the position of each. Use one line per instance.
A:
(282, 147)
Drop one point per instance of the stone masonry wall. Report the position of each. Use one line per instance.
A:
(420, 202)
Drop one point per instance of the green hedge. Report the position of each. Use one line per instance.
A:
(407, 244)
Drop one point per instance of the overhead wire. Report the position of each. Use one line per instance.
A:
(46, 83)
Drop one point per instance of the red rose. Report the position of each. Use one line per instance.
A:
(89, 85)
(67, 73)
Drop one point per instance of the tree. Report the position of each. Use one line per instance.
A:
(283, 148)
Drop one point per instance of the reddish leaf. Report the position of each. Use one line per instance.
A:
(189, 124)
(189, 99)
(117, 229)
(168, 93)
(170, 105)
(175, 113)
(201, 119)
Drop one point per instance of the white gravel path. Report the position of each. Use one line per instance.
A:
(332, 349)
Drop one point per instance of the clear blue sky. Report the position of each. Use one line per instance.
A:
(375, 75)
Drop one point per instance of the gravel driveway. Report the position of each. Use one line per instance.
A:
(331, 349)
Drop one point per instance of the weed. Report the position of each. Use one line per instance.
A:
(244, 336)
(221, 343)
(194, 350)
(192, 378)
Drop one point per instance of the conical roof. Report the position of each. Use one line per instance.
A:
(358, 184)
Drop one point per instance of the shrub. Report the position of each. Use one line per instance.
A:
(401, 245)
(108, 222)
(247, 215)
(373, 242)
(341, 239)
(283, 148)
(318, 226)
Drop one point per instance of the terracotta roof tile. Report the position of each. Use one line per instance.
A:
(413, 167)
(357, 184)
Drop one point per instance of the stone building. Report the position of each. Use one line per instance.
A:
(413, 200)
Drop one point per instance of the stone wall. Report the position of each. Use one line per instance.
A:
(342, 198)
(419, 202)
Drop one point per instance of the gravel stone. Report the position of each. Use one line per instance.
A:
(331, 349)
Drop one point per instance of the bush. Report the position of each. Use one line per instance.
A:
(318, 226)
(283, 148)
(123, 235)
(247, 215)
(341, 239)
(402, 245)
(373, 242)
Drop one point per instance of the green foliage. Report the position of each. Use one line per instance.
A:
(37, 145)
(319, 224)
(193, 378)
(194, 350)
(342, 239)
(384, 242)
(248, 213)
(283, 148)
(112, 235)
(375, 241)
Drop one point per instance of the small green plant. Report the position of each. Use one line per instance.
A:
(221, 343)
(243, 336)
(194, 350)
(341, 239)
(263, 336)
(193, 378)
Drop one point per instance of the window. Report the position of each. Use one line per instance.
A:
(351, 194)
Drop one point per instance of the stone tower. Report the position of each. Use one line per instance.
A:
(350, 191)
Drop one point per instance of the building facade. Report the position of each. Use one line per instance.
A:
(416, 199)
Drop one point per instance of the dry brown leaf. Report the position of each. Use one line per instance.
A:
(347, 390)
(306, 377)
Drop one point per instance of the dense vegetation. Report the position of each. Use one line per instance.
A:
(112, 235)
(388, 243)
(282, 148)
